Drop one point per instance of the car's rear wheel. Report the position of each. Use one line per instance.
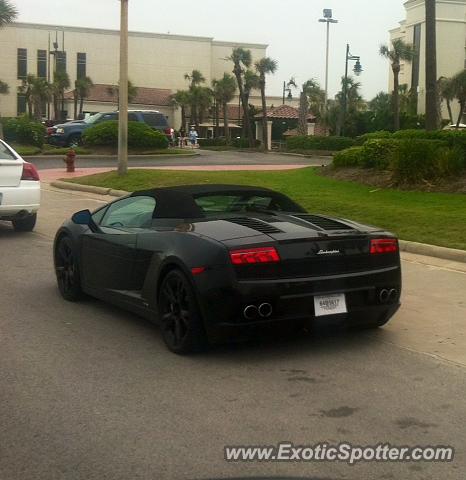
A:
(66, 269)
(25, 224)
(180, 320)
(74, 140)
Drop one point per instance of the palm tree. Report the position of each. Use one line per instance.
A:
(36, 92)
(202, 100)
(432, 114)
(61, 82)
(182, 99)
(114, 91)
(447, 93)
(265, 66)
(26, 89)
(242, 60)
(8, 13)
(399, 52)
(196, 79)
(316, 97)
(224, 91)
(82, 88)
(303, 112)
(459, 87)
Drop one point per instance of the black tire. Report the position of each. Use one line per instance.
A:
(67, 270)
(25, 224)
(75, 140)
(180, 319)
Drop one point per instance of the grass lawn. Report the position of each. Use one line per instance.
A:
(435, 218)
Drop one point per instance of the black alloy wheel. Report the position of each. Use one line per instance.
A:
(180, 320)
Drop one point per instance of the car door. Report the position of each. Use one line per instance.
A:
(11, 167)
(108, 256)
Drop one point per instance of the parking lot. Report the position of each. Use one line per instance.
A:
(89, 391)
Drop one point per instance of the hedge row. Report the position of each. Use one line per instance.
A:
(140, 135)
(410, 160)
(24, 131)
(319, 143)
(222, 142)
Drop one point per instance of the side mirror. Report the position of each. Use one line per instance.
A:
(83, 217)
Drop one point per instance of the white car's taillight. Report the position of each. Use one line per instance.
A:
(30, 172)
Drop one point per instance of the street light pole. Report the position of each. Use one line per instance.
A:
(328, 20)
(123, 93)
(357, 71)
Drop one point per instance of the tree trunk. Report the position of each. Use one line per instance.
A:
(396, 100)
(460, 116)
(245, 103)
(265, 133)
(217, 119)
(431, 66)
(75, 100)
(303, 110)
(226, 125)
(183, 118)
(450, 113)
(81, 106)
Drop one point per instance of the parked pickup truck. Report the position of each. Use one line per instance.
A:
(69, 133)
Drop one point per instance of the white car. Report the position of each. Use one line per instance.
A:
(19, 190)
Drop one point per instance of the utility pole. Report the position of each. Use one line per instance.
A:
(123, 93)
(432, 114)
(328, 20)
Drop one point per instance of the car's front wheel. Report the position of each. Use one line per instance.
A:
(67, 271)
(180, 320)
(25, 224)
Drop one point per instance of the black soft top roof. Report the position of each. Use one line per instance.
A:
(179, 201)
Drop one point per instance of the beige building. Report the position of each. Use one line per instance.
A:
(451, 44)
(158, 63)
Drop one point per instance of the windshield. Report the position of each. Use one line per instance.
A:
(213, 204)
(93, 118)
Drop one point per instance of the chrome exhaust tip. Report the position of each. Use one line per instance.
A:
(250, 312)
(265, 310)
(384, 295)
(393, 295)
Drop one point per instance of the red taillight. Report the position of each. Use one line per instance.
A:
(254, 255)
(29, 172)
(169, 131)
(198, 270)
(384, 245)
(50, 130)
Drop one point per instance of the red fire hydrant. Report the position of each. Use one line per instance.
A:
(69, 160)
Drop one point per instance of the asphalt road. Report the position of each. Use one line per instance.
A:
(90, 392)
(205, 157)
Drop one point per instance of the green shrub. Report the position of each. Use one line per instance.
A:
(24, 131)
(373, 136)
(351, 157)
(319, 143)
(140, 135)
(244, 143)
(378, 153)
(415, 160)
(27, 150)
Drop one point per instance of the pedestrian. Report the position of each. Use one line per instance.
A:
(193, 137)
(182, 137)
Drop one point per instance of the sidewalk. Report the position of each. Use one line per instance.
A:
(52, 174)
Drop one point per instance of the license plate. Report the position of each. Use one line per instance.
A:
(330, 304)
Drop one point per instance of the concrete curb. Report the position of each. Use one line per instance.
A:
(444, 253)
(115, 157)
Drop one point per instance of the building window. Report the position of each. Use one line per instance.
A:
(22, 63)
(60, 61)
(417, 49)
(81, 70)
(21, 104)
(42, 63)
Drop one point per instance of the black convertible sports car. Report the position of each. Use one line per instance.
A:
(204, 259)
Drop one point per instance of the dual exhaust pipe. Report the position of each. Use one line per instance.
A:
(264, 310)
(388, 295)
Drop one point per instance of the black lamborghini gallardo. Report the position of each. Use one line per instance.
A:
(203, 260)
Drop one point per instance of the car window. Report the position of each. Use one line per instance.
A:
(212, 204)
(132, 117)
(132, 212)
(155, 119)
(6, 153)
(109, 116)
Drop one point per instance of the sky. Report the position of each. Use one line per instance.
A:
(290, 28)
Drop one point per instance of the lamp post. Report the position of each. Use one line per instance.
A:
(357, 71)
(123, 93)
(328, 20)
(287, 88)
